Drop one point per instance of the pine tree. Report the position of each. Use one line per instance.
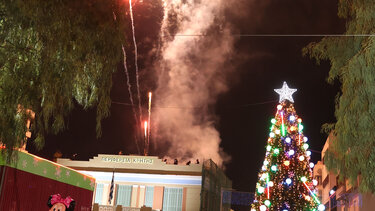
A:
(352, 153)
(54, 54)
(285, 180)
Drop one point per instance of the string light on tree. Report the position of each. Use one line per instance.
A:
(263, 208)
(269, 148)
(291, 152)
(321, 207)
(285, 182)
(301, 158)
(308, 153)
(276, 151)
(288, 181)
(305, 146)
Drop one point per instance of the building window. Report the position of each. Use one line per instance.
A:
(172, 199)
(325, 181)
(99, 193)
(333, 202)
(149, 196)
(124, 194)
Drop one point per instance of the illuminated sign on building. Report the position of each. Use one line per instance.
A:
(138, 160)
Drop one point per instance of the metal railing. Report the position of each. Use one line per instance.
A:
(97, 207)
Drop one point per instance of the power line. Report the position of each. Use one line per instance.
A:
(199, 107)
(316, 151)
(278, 35)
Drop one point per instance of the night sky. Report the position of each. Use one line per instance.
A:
(245, 110)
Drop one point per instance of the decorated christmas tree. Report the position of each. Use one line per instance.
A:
(285, 180)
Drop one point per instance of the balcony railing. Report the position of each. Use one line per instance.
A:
(97, 207)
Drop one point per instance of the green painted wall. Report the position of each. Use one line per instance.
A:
(45, 168)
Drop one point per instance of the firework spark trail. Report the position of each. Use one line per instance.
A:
(163, 28)
(145, 150)
(130, 94)
(136, 61)
(149, 120)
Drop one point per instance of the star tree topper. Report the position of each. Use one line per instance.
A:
(285, 93)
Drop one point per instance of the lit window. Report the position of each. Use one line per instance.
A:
(149, 196)
(172, 199)
(124, 194)
(99, 193)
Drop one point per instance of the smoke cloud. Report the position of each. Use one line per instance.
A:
(191, 73)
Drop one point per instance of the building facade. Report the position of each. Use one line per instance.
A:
(146, 181)
(336, 195)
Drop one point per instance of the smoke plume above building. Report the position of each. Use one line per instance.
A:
(192, 68)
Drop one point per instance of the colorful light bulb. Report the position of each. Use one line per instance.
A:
(267, 203)
(288, 181)
(305, 146)
(263, 208)
(321, 207)
(291, 152)
(301, 158)
(276, 151)
(300, 127)
(268, 148)
(261, 190)
(264, 176)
